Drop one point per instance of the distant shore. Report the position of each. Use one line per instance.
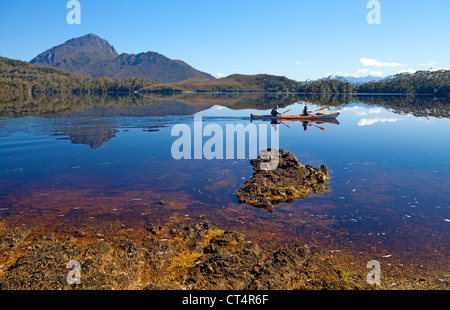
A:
(22, 77)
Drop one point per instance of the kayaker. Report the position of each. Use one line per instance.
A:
(305, 111)
(274, 111)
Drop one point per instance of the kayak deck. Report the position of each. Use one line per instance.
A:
(298, 117)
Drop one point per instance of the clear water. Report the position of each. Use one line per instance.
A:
(388, 191)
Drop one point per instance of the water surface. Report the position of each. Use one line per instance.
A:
(80, 161)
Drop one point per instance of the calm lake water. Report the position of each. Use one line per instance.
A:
(80, 161)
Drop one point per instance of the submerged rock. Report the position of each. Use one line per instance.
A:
(288, 181)
(13, 237)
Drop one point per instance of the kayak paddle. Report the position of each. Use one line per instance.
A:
(321, 109)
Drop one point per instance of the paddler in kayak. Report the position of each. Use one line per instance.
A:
(305, 111)
(275, 112)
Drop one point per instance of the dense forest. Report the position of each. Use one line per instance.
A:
(21, 77)
(420, 82)
(254, 83)
(335, 85)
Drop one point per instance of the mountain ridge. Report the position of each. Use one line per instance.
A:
(93, 56)
(22, 77)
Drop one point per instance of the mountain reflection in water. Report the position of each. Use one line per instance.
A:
(387, 159)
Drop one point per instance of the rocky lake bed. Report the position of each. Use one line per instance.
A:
(197, 255)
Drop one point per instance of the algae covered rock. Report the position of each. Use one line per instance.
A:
(288, 181)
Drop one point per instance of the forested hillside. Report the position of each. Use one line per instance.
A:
(254, 83)
(19, 76)
(420, 82)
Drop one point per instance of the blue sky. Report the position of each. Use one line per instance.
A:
(297, 39)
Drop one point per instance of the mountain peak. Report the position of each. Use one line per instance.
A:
(93, 56)
(91, 40)
(77, 53)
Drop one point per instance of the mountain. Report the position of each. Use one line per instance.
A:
(150, 65)
(22, 77)
(363, 79)
(93, 56)
(77, 54)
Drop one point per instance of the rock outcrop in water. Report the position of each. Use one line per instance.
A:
(288, 181)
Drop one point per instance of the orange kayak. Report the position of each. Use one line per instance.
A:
(315, 117)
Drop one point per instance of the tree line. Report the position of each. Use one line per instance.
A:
(21, 77)
(420, 82)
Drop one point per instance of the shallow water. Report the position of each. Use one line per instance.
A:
(388, 192)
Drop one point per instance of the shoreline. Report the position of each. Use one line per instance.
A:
(197, 255)
(200, 92)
